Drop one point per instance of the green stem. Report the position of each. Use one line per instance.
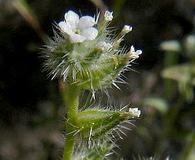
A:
(68, 148)
(71, 99)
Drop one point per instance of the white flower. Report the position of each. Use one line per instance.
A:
(104, 46)
(135, 112)
(135, 54)
(127, 29)
(79, 29)
(108, 16)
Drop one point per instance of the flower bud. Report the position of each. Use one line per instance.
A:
(108, 16)
(135, 112)
(134, 54)
(101, 121)
(126, 29)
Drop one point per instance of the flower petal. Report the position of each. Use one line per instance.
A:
(76, 38)
(132, 49)
(89, 33)
(138, 52)
(65, 27)
(72, 18)
(86, 22)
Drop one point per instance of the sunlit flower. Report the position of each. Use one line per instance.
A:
(78, 29)
(104, 46)
(127, 29)
(108, 16)
(135, 54)
(135, 112)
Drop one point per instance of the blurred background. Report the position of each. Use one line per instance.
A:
(161, 82)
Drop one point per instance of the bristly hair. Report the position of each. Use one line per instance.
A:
(87, 64)
(95, 64)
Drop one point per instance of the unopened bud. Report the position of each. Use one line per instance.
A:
(126, 29)
(135, 112)
(108, 16)
(134, 54)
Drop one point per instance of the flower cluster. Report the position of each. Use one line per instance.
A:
(84, 52)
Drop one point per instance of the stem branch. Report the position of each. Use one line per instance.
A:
(70, 95)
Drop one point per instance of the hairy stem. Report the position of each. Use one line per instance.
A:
(68, 148)
(71, 99)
